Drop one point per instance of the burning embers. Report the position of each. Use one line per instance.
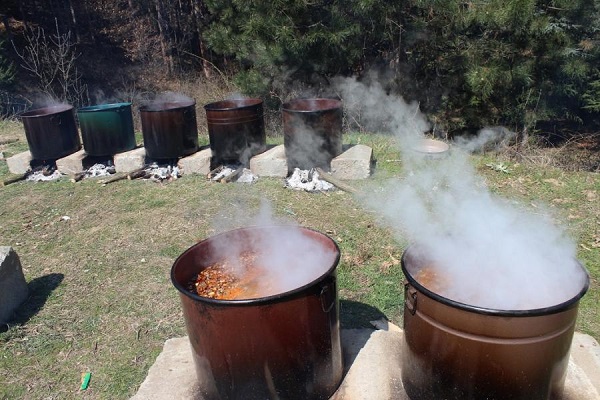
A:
(308, 180)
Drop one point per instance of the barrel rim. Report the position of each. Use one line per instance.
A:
(46, 111)
(260, 300)
(335, 104)
(103, 107)
(233, 104)
(572, 302)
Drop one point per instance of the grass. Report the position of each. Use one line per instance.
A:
(101, 299)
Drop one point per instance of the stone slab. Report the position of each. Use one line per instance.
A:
(13, 287)
(130, 160)
(354, 163)
(71, 164)
(197, 163)
(271, 163)
(19, 163)
(372, 368)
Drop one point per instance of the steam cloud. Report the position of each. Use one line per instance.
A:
(494, 254)
(289, 258)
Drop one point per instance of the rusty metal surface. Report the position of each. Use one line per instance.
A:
(453, 352)
(282, 346)
(170, 129)
(312, 131)
(236, 130)
(51, 132)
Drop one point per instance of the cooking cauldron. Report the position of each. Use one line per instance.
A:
(169, 128)
(236, 130)
(284, 346)
(312, 130)
(458, 351)
(106, 129)
(51, 132)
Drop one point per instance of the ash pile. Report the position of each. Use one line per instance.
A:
(43, 172)
(308, 180)
(232, 173)
(158, 172)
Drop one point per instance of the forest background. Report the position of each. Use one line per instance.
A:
(532, 66)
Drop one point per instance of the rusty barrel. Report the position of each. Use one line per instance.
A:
(281, 346)
(169, 128)
(458, 351)
(236, 130)
(312, 131)
(51, 132)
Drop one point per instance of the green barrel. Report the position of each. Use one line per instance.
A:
(106, 129)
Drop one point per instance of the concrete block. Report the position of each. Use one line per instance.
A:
(19, 163)
(130, 160)
(197, 163)
(13, 288)
(71, 164)
(270, 163)
(354, 163)
(372, 368)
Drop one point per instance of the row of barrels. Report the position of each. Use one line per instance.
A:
(236, 129)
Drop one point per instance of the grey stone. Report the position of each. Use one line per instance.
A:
(354, 163)
(19, 163)
(271, 163)
(372, 368)
(197, 163)
(130, 160)
(13, 288)
(71, 164)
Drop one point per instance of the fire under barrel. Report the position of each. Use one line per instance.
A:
(106, 129)
(169, 129)
(236, 130)
(458, 351)
(51, 132)
(312, 131)
(271, 344)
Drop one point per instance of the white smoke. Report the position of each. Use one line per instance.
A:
(290, 258)
(495, 253)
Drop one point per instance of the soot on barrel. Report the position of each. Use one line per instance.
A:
(51, 132)
(312, 132)
(236, 130)
(169, 128)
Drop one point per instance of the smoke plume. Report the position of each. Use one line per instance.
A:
(493, 252)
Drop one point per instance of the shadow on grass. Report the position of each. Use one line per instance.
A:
(356, 315)
(39, 291)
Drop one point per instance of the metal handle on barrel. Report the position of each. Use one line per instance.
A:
(410, 298)
(327, 295)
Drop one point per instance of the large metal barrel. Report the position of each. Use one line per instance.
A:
(458, 351)
(170, 129)
(106, 129)
(236, 130)
(312, 131)
(51, 132)
(283, 345)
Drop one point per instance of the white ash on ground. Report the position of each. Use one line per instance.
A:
(160, 173)
(44, 174)
(308, 180)
(100, 170)
(233, 173)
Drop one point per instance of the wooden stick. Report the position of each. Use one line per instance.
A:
(14, 179)
(214, 172)
(234, 175)
(334, 181)
(138, 174)
(114, 178)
